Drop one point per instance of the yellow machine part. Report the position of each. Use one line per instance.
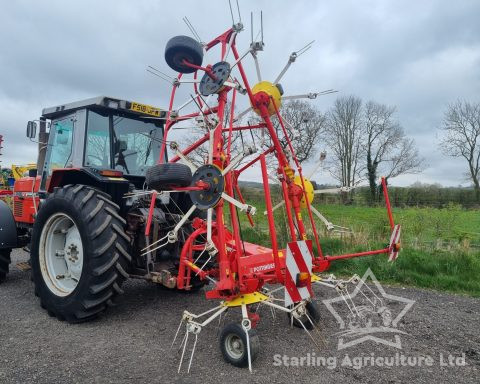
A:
(315, 278)
(308, 190)
(249, 298)
(271, 90)
(19, 171)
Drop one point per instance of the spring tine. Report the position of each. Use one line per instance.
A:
(176, 333)
(204, 264)
(183, 351)
(219, 324)
(308, 333)
(231, 12)
(193, 351)
(156, 242)
(183, 341)
(248, 351)
(316, 330)
(274, 315)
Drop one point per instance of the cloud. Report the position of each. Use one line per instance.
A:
(418, 56)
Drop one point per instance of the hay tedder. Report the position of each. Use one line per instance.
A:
(116, 198)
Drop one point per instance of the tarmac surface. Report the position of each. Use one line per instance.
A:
(439, 335)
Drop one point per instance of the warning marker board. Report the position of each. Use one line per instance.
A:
(298, 260)
(394, 240)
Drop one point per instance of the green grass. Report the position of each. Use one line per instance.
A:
(441, 247)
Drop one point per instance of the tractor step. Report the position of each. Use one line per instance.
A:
(24, 266)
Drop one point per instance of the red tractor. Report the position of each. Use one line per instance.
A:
(109, 205)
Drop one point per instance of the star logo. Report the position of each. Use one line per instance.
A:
(373, 314)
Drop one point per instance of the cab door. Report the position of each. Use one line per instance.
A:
(60, 148)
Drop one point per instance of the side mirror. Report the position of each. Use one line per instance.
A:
(31, 129)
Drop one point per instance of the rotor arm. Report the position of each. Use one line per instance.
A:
(238, 159)
(291, 59)
(183, 159)
(243, 207)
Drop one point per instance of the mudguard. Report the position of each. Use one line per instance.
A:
(8, 228)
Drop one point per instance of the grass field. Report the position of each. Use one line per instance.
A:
(440, 247)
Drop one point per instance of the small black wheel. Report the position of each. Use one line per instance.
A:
(233, 344)
(314, 314)
(181, 48)
(4, 263)
(168, 175)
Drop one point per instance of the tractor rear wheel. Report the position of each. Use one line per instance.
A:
(4, 263)
(79, 253)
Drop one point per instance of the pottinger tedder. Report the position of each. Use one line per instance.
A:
(109, 203)
(239, 271)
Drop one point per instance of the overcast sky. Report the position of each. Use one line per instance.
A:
(416, 55)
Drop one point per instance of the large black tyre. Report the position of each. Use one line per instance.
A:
(313, 313)
(105, 253)
(168, 175)
(233, 344)
(181, 48)
(4, 263)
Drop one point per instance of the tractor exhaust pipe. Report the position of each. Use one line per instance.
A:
(42, 146)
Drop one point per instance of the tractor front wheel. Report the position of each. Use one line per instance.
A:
(79, 253)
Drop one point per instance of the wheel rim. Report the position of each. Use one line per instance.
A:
(234, 346)
(61, 254)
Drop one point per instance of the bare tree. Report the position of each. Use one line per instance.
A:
(345, 134)
(305, 125)
(461, 125)
(239, 140)
(387, 147)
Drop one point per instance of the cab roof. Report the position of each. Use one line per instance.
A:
(107, 103)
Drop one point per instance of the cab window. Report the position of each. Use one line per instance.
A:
(61, 150)
(136, 145)
(97, 149)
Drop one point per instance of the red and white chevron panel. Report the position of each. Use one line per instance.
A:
(298, 259)
(394, 239)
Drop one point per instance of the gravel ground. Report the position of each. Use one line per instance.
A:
(131, 342)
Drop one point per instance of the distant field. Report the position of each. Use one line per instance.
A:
(441, 247)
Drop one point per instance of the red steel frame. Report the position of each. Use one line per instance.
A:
(245, 267)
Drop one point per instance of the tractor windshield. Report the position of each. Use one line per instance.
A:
(118, 142)
(136, 145)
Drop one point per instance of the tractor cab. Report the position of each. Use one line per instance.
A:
(102, 142)
(97, 138)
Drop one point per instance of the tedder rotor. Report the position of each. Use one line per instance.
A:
(241, 274)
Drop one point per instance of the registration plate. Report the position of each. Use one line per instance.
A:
(146, 109)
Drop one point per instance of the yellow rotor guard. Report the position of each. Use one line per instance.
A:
(308, 190)
(315, 278)
(271, 90)
(249, 298)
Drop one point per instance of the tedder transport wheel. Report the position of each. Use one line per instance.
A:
(233, 344)
(312, 311)
(4, 262)
(181, 48)
(168, 175)
(79, 253)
